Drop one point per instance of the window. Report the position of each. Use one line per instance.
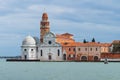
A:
(78, 49)
(31, 49)
(74, 55)
(49, 42)
(37, 49)
(69, 49)
(69, 55)
(58, 52)
(73, 49)
(41, 52)
(96, 49)
(25, 49)
(90, 49)
(85, 49)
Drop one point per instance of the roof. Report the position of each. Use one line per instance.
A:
(116, 42)
(68, 44)
(29, 40)
(67, 34)
(89, 44)
(105, 44)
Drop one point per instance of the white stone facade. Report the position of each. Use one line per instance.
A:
(29, 48)
(49, 50)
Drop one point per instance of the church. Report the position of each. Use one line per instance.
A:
(63, 47)
(44, 49)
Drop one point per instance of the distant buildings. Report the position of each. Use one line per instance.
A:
(63, 47)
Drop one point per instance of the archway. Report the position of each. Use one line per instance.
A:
(96, 58)
(83, 58)
(50, 57)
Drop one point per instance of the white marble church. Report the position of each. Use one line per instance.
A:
(44, 49)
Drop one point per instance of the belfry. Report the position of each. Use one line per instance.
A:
(44, 26)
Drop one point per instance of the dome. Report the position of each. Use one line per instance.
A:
(29, 40)
(37, 40)
(44, 16)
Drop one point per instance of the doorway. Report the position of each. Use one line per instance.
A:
(50, 57)
(64, 56)
(25, 56)
(83, 58)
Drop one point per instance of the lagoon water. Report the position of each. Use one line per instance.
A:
(59, 71)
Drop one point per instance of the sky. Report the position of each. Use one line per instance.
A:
(84, 19)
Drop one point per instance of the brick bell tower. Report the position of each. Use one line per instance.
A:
(44, 26)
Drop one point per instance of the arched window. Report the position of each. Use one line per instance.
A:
(58, 52)
(41, 52)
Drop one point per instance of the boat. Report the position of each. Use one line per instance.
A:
(105, 61)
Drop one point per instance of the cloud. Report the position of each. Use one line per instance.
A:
(83, 18)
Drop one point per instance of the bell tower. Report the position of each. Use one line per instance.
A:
(44, 26)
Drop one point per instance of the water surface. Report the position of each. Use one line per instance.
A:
(59, 71)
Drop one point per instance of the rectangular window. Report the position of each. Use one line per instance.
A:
(58, 52)
(85, 49)
(37, 49)
(78, 49)
(74, 55)
(69, 49)
(41, 52)
(73, 49)
(71, 55)
(96, 49)
(90, 49)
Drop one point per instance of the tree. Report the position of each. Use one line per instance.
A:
(93, 40)
(84, 41)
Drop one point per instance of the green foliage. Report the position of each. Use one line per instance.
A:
(84, 41)
(93, 40)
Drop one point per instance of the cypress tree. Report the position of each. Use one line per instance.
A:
(93, 40)
(84, 41)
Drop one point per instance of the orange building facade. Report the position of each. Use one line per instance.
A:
(88, 51)
(69, 48)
